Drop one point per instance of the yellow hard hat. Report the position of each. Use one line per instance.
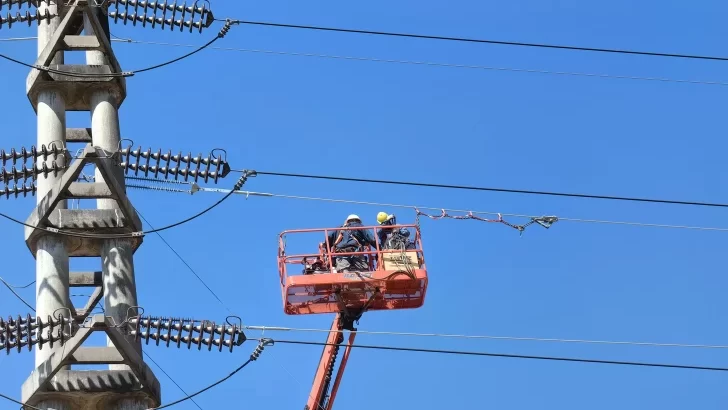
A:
(382, 217)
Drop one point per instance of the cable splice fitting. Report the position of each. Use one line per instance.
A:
(246, 174)
(261, 346)
(225, 28)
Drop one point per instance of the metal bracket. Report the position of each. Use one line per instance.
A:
(76, 87)
(48, 379)
(124, 220)
(348, 316)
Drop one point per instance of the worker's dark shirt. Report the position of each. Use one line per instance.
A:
(384, 230)
(354, 238)
(332, 239)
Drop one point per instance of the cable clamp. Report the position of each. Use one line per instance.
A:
(546, 221)
(261, 346)
(225, 28)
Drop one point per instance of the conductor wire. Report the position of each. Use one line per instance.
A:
(512, 356)
(10, 288)
(220, 35)
(56, 231)
(484, 41)
(413, 207)
(476, 188)
(488, 337)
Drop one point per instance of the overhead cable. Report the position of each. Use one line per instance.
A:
(416, 63)
(511, 356)
(436, 64)
(474, 188)
(511, 338)
(185, 263)
(23, 405)
(220, 35)
(194, 188)
(170, 378)
(13, 39)
(483, 41)
(10, 288)
(414, 207)
(20, 287)
(56, 231)
(253, 357)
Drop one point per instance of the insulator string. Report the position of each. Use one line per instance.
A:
(145, 12)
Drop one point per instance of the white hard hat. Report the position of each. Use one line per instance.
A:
(352, 217)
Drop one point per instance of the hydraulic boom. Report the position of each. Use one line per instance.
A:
(323, 393)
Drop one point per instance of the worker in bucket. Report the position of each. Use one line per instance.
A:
(384, 219)
(349, 240)
(390, 237)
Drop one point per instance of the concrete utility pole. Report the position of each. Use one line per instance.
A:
(116, 254)
(111, 232)
(51, 261)
(99, 88)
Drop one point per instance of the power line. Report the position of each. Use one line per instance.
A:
(10, 288)
(23, 405)
(414, 207)
(473, 188)
(185, 263)
(189, 397)
(170, 378)
(511, 356)
(13, 39)
(20, 287)
(220, 35)
(484, 41)
(416, 63)
(295, 379)
(436, 64)
(57, 231)
(253, 357)
(513, 338)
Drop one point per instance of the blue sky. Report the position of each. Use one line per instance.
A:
(442, 125)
